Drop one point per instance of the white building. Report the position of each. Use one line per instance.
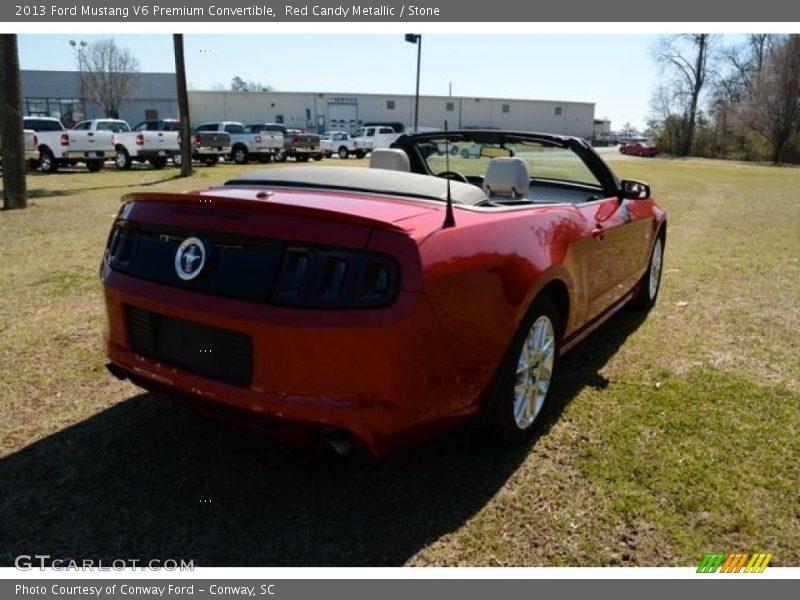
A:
(322, 111)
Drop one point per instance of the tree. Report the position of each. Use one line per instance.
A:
(109, 75)
(183, 106)
(13, 152)
(240, 85)
(773, 109)
(686, 56)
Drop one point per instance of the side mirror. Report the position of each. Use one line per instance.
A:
(634, 190)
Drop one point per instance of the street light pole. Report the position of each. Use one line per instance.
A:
(416, 38)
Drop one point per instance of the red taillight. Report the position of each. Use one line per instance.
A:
(197, 140)
(295, 141)
(65, 139)
(140, 139)
(179, 139)
(258, 139)
(35, 141)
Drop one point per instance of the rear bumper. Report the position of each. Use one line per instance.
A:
(89, 154)
(215, 151)
(157, 153)
(385, 379)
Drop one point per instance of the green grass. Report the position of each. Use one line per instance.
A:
(678, 434)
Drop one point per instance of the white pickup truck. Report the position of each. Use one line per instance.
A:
(31, 144)
(338, 142)
(247, 143)
(373, 137)
(59, 147)
(138, 146)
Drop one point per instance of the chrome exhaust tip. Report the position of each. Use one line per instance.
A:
(340, 442)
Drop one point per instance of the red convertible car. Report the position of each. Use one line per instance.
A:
(639, 149)
(378, 305)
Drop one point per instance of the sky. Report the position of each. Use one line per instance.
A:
(616, 72)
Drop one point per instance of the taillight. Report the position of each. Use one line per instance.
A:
(35, 141)
(197, 139)
(258, 139)
(295, 141)
(179, 139)
(65, 139)
(316, 277)
(140, 139)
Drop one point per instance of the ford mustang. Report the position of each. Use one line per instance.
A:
(378, 305)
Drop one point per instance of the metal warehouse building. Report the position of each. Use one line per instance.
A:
(323, 111)
(58, 94)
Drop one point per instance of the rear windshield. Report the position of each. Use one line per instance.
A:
(113, 126)
(43, 125)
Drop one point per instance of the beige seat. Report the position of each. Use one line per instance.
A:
(392, 159)
(507, 178)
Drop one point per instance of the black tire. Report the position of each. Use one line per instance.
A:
(95, 165)
(47, 162)
(465, 153)
(319, 157)
(282, 156)
(360, 154)
(646, 297)
(122, 159)
(343, 152)
(158, 163)
(240, 155)
(301, 157)
(500, 411)
(210, 161)
(33, 164)
(264, 158)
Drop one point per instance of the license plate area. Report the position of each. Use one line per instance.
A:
(209, 351)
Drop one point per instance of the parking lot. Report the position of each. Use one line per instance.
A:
(678, 434)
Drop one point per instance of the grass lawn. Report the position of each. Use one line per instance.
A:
(678, 434)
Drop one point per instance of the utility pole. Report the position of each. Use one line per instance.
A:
(416, 38)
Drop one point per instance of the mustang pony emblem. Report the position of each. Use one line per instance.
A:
(190, 258)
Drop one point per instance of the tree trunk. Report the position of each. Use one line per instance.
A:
(700, 75)
(183, 107)
(13, 139)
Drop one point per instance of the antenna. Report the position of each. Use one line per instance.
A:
(449, 217)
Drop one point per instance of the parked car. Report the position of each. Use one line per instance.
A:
(370, 138)
(639, 149)
(337, 142)
(60, 147)
(379, 305)
(31, 145)
(207, 146)
(247, 144)
(139, 146)
(296, 144)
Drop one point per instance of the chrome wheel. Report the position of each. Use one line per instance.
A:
(655, 269)
(534, 372)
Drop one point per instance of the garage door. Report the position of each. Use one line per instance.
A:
(342, 117)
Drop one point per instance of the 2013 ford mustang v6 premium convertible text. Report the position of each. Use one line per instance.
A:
(379, 305)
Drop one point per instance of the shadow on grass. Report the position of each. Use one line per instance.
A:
(54, 193)
(147, 479)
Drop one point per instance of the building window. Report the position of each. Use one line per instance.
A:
(390, 105)
(150, 114)
(506, 108)
(450, 106)
(557, 111)
(279, 118)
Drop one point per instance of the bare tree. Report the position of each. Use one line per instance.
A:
(109, 75)
(13, 152)
(773, 109)
(686, 56)
(240, 85)
(183, 106)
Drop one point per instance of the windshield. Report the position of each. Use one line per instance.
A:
(545, 162)
(113, 126)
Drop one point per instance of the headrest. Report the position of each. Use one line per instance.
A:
(392, 159)
(507, 176)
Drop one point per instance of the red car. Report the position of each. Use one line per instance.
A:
(639, 149)
(379, 305)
